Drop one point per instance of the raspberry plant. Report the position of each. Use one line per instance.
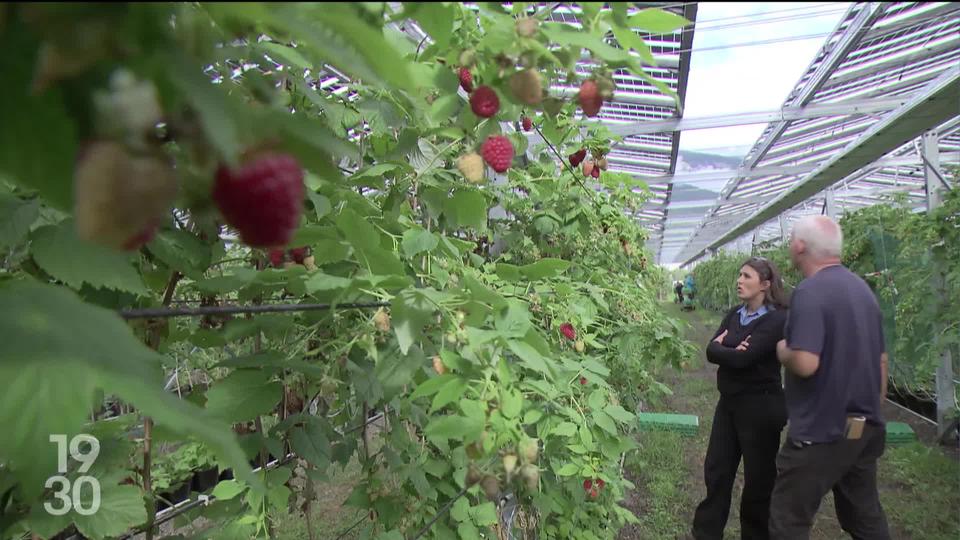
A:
(466, 363)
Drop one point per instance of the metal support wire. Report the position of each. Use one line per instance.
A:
(150, 313)
(936, 173)
(446, 508)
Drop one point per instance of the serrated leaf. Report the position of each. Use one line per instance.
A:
(566, 429)
(449, 393)
(431, 386)
(395, 369)
(511, 403)
(460, 510)
(466, 208)
(16, 217)
(619, 414)
(323, 282)
(452, 427)
(586, 437)
(657, 21)
(605, 422)
(530, 357)
(38, 137)
(545, 268)
(211, 106)
(346, 41)
(181, 251)
(568, 470)
(410, 311)
(416, 241)
(310, 443)
(243, 395)
(228, 489)
(58, 352)
(60, 253)
(484, 514)
(596, 400)
(436, 19)
(236, 280)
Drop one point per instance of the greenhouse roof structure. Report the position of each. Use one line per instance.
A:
(848, 134)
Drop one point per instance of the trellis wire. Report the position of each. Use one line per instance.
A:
(152, 313)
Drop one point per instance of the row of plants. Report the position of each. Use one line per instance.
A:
(161, 155)
(908, 258)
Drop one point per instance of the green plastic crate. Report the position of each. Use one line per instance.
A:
(685, 424)
(900, 433)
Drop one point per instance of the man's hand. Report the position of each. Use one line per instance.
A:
(719, 339)
(783, 352)
(800, 363)
(744, 344)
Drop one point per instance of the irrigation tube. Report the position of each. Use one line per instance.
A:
(915, 413)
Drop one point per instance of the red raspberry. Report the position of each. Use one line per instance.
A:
(600, 483)
(595, 172)
(466, 79)
(594, 493)
(577, 157)
(527, 123)
(497, 151)
(587, 484)
(263, 199)
(276, 257)
(484, 102)
(298, 254)
(590, 98)
(583, 381)
(568, 332)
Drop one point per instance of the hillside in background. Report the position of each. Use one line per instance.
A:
(700, 161)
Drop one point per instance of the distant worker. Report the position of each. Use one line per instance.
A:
(678, 288)
(836, 377)
(751, 412)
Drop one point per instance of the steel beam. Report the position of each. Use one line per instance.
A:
(786, 114)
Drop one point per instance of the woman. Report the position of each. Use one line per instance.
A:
(751, 411)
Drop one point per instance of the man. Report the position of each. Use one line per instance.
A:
(835, 377)
(678, 289)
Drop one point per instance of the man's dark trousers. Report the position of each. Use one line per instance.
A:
(748, 426)
(807, 473)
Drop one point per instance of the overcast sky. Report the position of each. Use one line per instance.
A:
(749, 78)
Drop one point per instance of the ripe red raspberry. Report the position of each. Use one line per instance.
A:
(568, 332)
(527, 123)
(595, 172)
(587, 484)
(263, 199)
(600, 483)
(590, 98)
(298, 254)
(497, 152)
(276, 257)
(583, 381)
(594, 493)
(484, 102)
(577, 157)
(466, 79)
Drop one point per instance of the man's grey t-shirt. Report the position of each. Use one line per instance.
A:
(835, 315)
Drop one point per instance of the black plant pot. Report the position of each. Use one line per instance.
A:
(162, 499)
(205, 479)
(181, 492)
(226, 474)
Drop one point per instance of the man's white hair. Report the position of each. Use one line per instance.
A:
(822, 236)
